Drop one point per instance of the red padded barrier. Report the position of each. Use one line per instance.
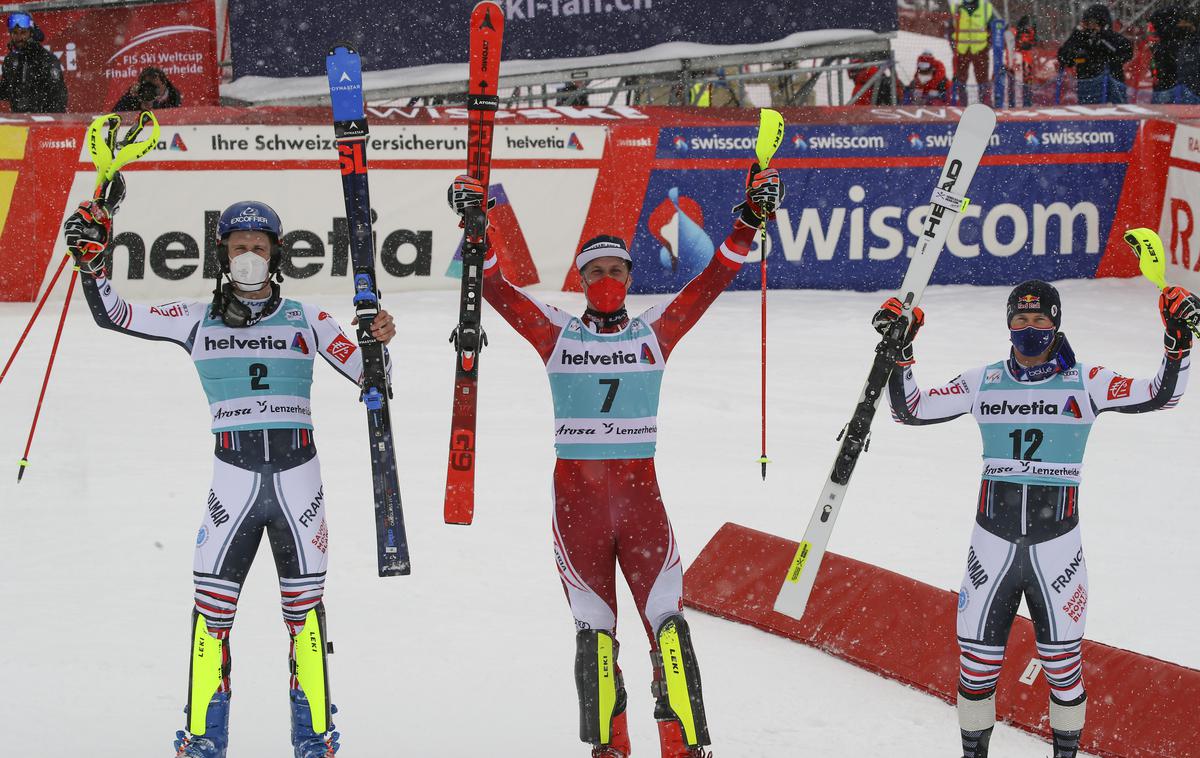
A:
(1138, 706)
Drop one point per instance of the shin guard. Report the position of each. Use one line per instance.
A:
(600, 686)
(309, 649)
(208, 669)
(680, 679)
(1066, 723)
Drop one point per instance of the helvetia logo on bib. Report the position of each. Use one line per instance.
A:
(1071, 408)
(647, 354)
(299, 344)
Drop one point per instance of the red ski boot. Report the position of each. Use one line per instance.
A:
(618, 743)
(670, 737)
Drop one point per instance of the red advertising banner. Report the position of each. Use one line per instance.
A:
(103, 49)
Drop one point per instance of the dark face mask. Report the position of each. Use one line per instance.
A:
(1032, 341)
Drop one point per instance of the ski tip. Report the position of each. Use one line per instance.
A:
(345, 47)
(21, 466)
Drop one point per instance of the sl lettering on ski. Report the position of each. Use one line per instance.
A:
(1119, 387)
(975, 570)
(252, 343)
(352, 158)
(216, 511)
(953, 169)
(1076, 604)
(1062, 580)
(310, 513)
(591, 359)
(341, 348)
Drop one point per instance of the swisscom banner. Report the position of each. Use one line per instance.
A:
(393, 34)
(1042, 205)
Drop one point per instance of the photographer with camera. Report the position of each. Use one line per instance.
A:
(152, 92)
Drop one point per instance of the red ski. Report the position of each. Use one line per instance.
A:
(487, 33)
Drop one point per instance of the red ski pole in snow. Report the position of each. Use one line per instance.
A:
(33, 318)
(24, 462)
(770, 137)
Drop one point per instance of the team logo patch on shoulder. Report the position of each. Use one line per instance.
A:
(322, 316)
(341, 348)
(299, 344)
(1119, 387)
(1095, 370)
(294, 314)
(993, 376)
(647, 354)
(1071, 407)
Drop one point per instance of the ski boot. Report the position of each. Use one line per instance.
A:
(215, 740)
(618, 743)
(670, 738)
(305, 742)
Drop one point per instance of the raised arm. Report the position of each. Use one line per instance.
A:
(764, 194)
(87, 232)
(672, 320)
(1109, 391)
(539, 323)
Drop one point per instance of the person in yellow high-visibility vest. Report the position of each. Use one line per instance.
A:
(969, 37)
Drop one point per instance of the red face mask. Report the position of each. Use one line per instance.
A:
(606, 294)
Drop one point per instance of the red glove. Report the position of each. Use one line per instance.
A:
(88, 231)
(764, 195)
(1180, 311)
(887, 315)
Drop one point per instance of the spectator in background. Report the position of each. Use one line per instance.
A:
(884, 90)
(970, 39)
(1098, 55)
(32, 78)
(1019, 60)
(1174, 44)
(929, 85)
(152, 91)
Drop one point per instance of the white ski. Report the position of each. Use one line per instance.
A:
(949, 199)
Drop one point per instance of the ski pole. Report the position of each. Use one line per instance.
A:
(770, 137)
(33, 318)
(24, 462)
(1148, 248)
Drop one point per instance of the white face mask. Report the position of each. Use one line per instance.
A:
(249, 272)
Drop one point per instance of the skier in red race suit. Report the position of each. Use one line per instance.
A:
(605, 373)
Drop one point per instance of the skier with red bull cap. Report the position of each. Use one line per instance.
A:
(605, 370)
(1035, 411)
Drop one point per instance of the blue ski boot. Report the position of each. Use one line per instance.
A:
(215, 740)
(305, 741)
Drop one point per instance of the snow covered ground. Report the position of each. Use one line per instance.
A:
(472, 655)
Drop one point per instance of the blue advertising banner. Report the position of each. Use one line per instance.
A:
(884, 140)
(285, 38)
(853, 227)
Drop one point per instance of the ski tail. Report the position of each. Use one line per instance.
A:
(344, 68)
(948, 200)
(487, 35)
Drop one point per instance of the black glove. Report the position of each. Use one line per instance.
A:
(88, 231)
(764, 195)
(1180, 310)
(466, 192)
(887, 315)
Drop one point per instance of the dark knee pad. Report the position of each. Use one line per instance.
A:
(600, 685)
(678, 681)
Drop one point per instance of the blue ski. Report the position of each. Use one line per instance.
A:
(344, 68)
